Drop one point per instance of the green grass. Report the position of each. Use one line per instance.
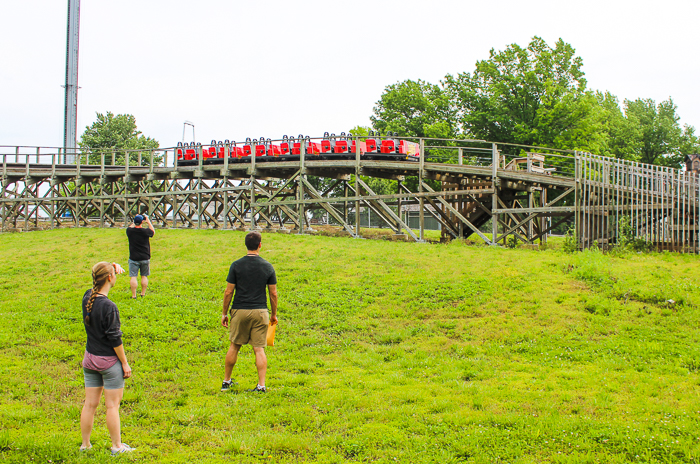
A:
(386, 352)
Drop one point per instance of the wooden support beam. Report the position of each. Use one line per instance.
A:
(546, 209)
(389, 211)
(459, 215)
(331, 210)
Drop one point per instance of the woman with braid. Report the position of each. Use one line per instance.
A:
(104, 364)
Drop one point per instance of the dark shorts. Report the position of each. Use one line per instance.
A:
(139, 266)
(111, 379)
(249, 326)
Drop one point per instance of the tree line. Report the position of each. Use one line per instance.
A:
(536, 96)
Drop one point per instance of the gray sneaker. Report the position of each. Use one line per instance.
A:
(258, 389)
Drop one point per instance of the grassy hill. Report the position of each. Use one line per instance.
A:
(386, 352)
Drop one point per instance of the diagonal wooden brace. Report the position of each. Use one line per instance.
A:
(389, 211)
(458, 214)
(331, 210)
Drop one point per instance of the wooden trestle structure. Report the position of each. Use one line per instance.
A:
(464, 185)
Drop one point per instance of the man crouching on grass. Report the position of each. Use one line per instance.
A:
(248, 277)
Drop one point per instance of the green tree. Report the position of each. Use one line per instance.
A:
(360, 131)
(532, 96)
(619, 134)
(415, 109)
(658, 137)
(118, 133)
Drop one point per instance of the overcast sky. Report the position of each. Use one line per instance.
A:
(271, 67)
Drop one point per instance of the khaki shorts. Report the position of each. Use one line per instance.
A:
(249, 326)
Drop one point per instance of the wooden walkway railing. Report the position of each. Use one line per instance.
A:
(623, 200)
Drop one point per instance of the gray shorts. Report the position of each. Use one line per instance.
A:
(111, 379)
(143, 266)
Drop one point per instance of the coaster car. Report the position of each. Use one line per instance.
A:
(186, 154)
(331, 147)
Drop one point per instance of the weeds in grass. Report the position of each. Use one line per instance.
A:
(571, 242)
(628, 240)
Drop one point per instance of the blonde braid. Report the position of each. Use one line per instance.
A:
(100, 273)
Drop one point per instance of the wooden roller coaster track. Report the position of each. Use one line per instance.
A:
(464, 185)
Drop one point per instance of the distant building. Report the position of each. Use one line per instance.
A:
(692, 163)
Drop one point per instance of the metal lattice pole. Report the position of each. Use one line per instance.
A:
(70, 135)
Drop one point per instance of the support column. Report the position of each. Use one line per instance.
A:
(102, 189)
(53, 188)
(543, 220)
(530, 205)
(494, 197)
(577, 185)
(126, 188)
(269, 208)
(4, 186)
(227, 151)
(253, 222)
(149, 184)
(421, 201)
(199, 173)
(253, 156)
(78, 185)
(300, 186)
(199, 203)
(27, 191)
(399, 203)
(357, 188)
(345, 202)
(174, 189)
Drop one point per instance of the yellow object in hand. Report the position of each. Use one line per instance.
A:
(271, 329)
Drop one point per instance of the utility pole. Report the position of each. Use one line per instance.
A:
(70, 136)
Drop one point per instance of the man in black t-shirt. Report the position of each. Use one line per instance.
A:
(139, 252)
(249, 277)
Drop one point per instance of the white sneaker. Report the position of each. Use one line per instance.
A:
(124, 449)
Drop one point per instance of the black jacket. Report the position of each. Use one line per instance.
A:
(104, 332)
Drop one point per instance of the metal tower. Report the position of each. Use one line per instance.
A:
(70, 135)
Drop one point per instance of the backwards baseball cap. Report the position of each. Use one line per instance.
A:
(138, 219)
